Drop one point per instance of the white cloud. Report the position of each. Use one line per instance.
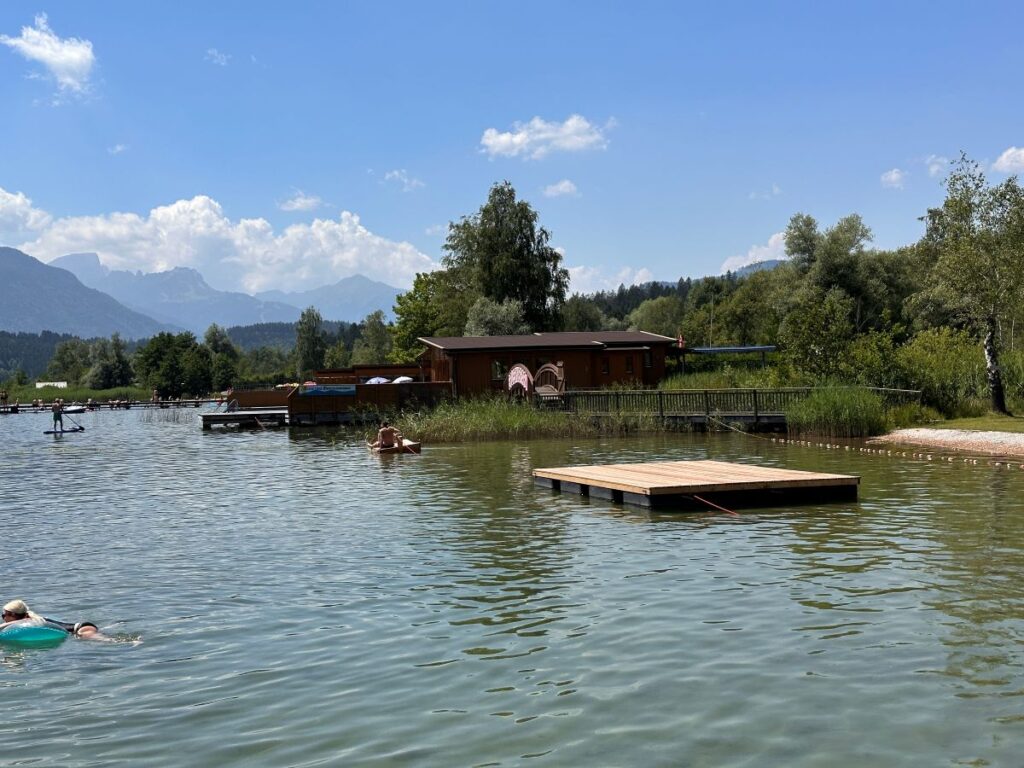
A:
(436, 230)
(1011, 161)
(117, 149)
(69, 61)
(19, 219)
(246, 254)
(893, 179)
(560, 189)
(300, 201)
(775, 249)
(407, 182)
(216, 57)
(538, 137)
(592, 279)
(936, 164)
(775, 191)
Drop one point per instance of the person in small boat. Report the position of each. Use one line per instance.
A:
(387, 436)
(58, 411)
(17, 610)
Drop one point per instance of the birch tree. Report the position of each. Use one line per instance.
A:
(978, 234)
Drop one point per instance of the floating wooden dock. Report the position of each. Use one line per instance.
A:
(247, 417)
(691, 484)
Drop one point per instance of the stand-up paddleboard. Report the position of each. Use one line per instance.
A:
(63, 431)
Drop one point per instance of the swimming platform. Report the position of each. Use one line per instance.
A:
(692, 484)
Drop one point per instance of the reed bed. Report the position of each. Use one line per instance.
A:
(496, 418)
(838, 412)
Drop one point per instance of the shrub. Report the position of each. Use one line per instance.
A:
(946, 365)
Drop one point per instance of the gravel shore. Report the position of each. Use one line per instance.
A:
(993, 443)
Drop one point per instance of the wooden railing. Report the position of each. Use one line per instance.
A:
(696, 402)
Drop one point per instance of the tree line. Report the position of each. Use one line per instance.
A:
(921, 316)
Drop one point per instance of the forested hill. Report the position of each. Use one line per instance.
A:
(36, 297)
(27, 352)
(282, 335)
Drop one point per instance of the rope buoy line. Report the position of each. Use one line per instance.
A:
(969, 459)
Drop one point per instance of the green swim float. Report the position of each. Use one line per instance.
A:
(32, 634)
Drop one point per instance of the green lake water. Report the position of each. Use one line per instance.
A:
(286, 599)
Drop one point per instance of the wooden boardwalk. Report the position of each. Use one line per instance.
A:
(677, 483)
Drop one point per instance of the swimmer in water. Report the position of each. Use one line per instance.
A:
(16, 610)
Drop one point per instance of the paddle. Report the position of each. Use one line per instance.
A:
(80, 427)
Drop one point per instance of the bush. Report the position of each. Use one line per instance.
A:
(838, 412)
(947, 366)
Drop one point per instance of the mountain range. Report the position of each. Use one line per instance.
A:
(36, 297)
(78, 294)
(182, 297)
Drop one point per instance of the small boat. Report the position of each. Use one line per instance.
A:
(407, 446)
(73, 409)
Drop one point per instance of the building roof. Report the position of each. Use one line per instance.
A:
(564, 340)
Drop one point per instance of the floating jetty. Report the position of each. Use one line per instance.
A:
(249, 417)
(693, 484)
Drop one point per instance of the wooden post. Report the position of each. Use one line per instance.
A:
(707, 403)
(661, 404)
(755, 407)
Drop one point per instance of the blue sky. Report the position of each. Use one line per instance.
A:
(286, 146)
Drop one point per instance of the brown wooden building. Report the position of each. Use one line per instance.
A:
(478, 364)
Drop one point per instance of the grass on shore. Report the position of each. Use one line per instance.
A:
(26, 394)
(992, 422)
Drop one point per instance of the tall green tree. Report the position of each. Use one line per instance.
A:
(110, 366)
(580, 313)
(817, 332)
(662, 315)
(501, 250)
(978, 234)
(310, 342)
(70, 361)
(437, 305)
(174, 365)
(374, 344)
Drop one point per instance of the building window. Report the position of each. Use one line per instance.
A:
(499, 370)
(606, 367)
(629, 363)
(648, 362)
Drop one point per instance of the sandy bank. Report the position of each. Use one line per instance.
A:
(994, 443)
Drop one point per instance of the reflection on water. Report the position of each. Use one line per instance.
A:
(304, 602)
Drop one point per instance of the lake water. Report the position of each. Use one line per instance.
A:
(286, 599)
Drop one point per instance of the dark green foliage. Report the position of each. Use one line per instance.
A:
(28, 352)
(581, 314)
(282, 335)
(175, 365)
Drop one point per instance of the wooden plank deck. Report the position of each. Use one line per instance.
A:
(665, 483)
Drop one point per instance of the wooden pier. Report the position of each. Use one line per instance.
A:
(692, 484)
(248, 417)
